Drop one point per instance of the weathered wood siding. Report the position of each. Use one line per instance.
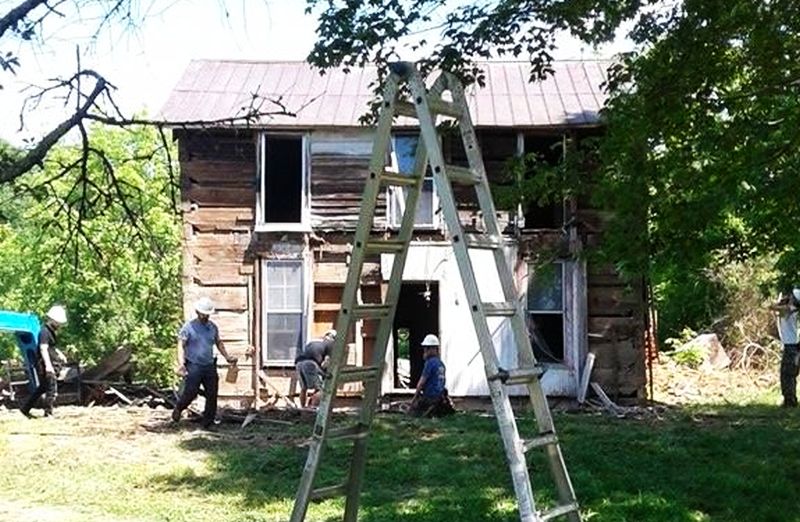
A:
(218, 173)
(339, 169)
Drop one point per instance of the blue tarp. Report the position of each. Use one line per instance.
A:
(25, 328)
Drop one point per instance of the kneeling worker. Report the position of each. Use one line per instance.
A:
(310, 365)
(431, 399)
(196, 362)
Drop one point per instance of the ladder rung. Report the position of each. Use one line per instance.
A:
(356, 431)
(461, 175)
(539, 441)
(384, 246)
(329, 491)
(517, 376)
(403, 108)
(559, 511)
(438, 106)
(504, 309)
(357, 374)
(371, 311)
(483, 241)
(398, 180)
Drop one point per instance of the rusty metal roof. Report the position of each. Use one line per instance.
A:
(215, 89)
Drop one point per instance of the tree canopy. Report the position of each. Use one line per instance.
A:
(120, 283)
(700, 157)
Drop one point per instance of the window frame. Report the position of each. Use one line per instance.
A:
(563, 311)
(393, 215)
(305, 197)
(266, 310)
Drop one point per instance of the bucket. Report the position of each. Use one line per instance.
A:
(233, 372)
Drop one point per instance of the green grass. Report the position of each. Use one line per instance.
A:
(720, 463)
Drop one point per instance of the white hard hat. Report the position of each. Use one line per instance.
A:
(57, 314)
(430, 340)
(204, 306)
(330, 333)
(796, 294)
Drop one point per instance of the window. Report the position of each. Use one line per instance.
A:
(283, 311)
(546, 311)
(404, 150)
(283, 200)
(549, 150)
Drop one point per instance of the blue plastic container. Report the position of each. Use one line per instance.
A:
(25, 328)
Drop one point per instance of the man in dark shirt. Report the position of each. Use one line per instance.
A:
(310, 364)
(48, 360)
(430, 398)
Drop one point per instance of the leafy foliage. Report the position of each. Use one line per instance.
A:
(118, 278)
(701, 152)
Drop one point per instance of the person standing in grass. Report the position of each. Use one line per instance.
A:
(196, 362)
(48, 358)
(787, 310)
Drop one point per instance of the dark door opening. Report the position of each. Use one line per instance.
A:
(417, 315)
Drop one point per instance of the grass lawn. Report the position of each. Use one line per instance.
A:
(710, 462)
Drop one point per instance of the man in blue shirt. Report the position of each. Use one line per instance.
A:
(431, 399)
(196, 362)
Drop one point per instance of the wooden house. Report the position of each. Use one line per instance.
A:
(270, 207)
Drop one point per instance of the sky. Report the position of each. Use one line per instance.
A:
(145, 63)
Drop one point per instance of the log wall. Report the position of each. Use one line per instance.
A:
(218, 176)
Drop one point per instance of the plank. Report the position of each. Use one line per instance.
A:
(223, 274)
(218, 196)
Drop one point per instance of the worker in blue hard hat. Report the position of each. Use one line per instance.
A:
(47, 362)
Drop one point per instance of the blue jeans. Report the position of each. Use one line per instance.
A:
(196, 375)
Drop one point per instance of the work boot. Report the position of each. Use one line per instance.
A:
(27, 413)
(48, 412)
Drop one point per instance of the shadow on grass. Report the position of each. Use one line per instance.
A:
(725, 463)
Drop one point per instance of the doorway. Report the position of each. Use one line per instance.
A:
(417, 315)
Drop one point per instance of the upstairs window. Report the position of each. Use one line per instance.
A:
(283, 202)
(404, 150)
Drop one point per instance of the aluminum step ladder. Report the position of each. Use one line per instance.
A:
(425, 105)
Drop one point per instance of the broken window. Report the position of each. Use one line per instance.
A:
(283, 199)
(546, 311)
(549, 152)
(283, 332)
(404, 150)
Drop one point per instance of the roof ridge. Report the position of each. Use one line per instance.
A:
(297, 61)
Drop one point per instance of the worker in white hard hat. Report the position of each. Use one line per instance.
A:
(197, 363)
(431, 398)
(48, 360)
(310, 365)
(787, 309)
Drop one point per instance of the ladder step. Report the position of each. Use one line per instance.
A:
(437, 106)
(356, 431)
(358, 374)
(384, 246)
(328, 492)
(371, 311)
(461, 175)
(559, 511)
(483, 241)
(398, 180)
(517, 376)
(502, 309)
(539, 441)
